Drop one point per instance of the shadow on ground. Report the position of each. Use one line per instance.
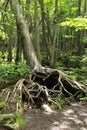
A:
(73, 117)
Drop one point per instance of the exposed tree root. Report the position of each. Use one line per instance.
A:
(7, 120)
(57, 80)
(37, 89)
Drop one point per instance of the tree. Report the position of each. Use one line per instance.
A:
(36, 30)
(78, 34)
(19, 47)
(29, 51)
(54, 37)
(45, 76)
(43, 82)
(45, 39)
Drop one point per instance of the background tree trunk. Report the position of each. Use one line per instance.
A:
(10, 48)
(54, 36)
(36, 30)
(28, 15)
(78, 34)
(44, 42)
(19, 46)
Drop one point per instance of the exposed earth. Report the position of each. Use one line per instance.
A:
(72, 117)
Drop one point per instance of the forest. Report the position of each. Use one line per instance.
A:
(43, 57)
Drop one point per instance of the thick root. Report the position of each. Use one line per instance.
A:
(38, 89)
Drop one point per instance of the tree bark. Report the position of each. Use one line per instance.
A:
(45, 40)
(10, 48)
(28, 15)
(29, 50)
(55, 19)
(19, 47)
(78, 36)
(85, 5)
(36, 30)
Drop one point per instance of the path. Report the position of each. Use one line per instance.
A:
(73, 117)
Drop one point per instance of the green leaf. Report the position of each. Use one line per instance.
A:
(66, 23)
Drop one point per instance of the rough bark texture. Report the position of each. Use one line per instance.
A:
(29, 51)
(36, 30)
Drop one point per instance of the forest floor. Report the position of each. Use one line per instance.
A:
(73, 117)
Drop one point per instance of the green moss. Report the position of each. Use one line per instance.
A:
(20, 121)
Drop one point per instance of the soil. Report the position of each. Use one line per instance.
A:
(73, 117)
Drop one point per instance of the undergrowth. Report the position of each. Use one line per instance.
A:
(60, 102)
(11, 71)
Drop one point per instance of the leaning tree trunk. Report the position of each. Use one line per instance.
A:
(29, 51)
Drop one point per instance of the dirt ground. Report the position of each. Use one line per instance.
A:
(73, 117)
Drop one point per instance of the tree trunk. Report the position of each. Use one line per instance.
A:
(19, 46)
(45, 40)
(54, 37)
(85, 6)
(78, 34)
(28, 15)
(10, 48)
(29, 51)
(36, 30)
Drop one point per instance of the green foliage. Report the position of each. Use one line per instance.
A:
(78, 23)
(20, 121)
(84, 60)
(3, 36)
(84, 40)
(86, 51)
(76, 74)
(74, 66)
(68, 36)
(11, 71)
(69, 61)
(14, 120)
(2, 106)
(59, 65)
(60, 102)
(74, 61)
(84, 98)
